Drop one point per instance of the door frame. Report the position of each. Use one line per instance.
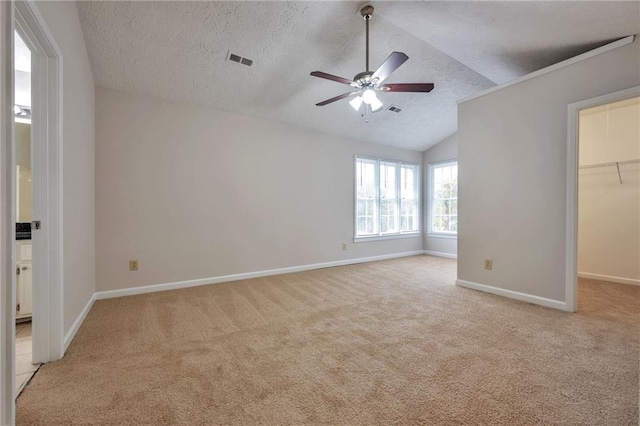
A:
(46, 129)
(573, 117)
(7, 219)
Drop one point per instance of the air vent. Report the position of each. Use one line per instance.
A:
(239, 59)
(395, 108)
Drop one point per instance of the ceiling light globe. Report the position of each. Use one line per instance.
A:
(369, 96)
(375, 105)
(356, 102)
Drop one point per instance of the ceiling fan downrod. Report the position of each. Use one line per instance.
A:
(367, 12)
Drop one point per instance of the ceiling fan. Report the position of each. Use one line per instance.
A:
(367, 83)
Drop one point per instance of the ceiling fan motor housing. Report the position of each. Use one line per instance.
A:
(364, 80)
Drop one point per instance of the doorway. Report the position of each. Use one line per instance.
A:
(603, 191)
(23, 18)
(24, 366)
(609, 192)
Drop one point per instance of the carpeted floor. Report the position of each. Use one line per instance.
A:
(391, 342)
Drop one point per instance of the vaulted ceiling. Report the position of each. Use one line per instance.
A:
(178, 50)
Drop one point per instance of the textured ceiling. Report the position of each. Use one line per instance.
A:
(178, 50)
(22, 55)
(506, 40)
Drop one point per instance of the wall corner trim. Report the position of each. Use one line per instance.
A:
(602, 49)
(524, 297)
(68, 338)
(109, 294)
(441, 254)
(609, 278)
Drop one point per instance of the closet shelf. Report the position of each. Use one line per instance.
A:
(611, 164)
(615, 164)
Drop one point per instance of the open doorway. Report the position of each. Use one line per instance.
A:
(609, 192)
(25, 367)
(603, 192)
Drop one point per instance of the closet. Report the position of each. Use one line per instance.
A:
(609, 192)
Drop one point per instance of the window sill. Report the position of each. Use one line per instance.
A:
(387, 237)
(445, 236)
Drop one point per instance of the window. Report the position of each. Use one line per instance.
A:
(386, 198)
(443, 198)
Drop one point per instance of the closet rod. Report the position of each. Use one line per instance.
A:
(613, 163)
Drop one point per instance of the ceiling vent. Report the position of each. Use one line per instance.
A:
(395, 108)
(239, 59)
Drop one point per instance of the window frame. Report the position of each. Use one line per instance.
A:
(429, 207)
(418, 193)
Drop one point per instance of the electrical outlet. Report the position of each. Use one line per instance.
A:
(133, 265)
(344, 246)
(488, 264)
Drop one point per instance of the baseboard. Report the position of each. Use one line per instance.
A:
(68, 338)
(441, 254)
(109, 294)
(536, 300)
(619, 280)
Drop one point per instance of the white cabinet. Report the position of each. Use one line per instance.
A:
(24, 295)
(24, 280)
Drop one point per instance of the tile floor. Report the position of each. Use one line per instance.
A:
(24, 368)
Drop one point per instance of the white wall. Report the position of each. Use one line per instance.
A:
(22, 136)
(609, 211)
(512, 157)
(22, 88)
(442, 151)
(78, 140)
(195, 193)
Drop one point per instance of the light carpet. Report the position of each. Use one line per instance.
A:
(392, 342)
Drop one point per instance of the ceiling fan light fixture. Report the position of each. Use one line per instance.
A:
(356, 102)
(369, 96)
(375, 105)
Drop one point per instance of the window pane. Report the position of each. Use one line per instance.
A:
(409, 197)
(366, 193)
(437, 224)
(386, 197)
(388, 184)
(366, 179)
(437, 175)
(362, 225)
(437, 191)
(446, 190)
(388, 216)
(444, 198)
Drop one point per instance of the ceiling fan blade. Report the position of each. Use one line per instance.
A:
(337, 98)
(407, 87)
(389, 65)
(332, 77)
